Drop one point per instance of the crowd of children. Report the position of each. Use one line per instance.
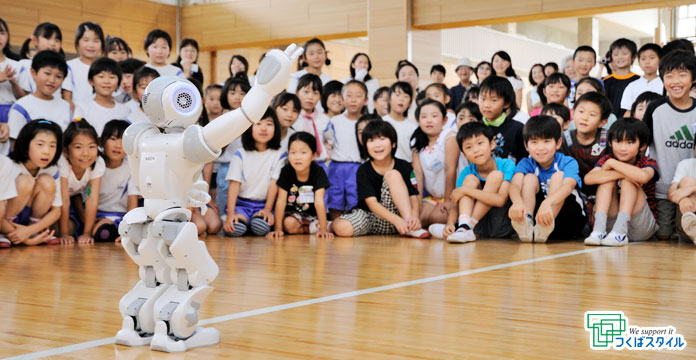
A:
(351, 158)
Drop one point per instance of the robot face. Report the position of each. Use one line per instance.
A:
(170, 101)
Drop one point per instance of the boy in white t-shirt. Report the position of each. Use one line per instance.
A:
(649, 60)
(48, 69)
(683, 193)
(104, 76)
(158, 45)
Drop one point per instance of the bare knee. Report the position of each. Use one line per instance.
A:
(342, 227)
(24, 184)
(471, 181)
(292, 226)
(46, 184)
(530, 181)
(392, 175)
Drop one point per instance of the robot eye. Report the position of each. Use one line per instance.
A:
(184, 101)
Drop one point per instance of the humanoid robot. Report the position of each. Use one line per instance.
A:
(166, 158)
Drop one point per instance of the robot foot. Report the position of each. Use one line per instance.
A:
(129, 337)
(201, 337)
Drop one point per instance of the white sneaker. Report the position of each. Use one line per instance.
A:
(525, 230)
(615, 239)
(595, 238)
(688, 222)
(314, 226)
(541, 233)
(461, 236)
(418, 234)
(437, 230)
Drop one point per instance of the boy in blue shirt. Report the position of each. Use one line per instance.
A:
(545, 189)
(482, 189)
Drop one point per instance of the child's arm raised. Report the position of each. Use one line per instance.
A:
(633, 173)
(281, 201)
(90, 211)
(320, 206)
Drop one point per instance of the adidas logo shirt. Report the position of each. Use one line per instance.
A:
(672, 133)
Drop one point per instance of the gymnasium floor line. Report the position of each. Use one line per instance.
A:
(95, 343)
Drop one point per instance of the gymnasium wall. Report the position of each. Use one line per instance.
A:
(128, 19)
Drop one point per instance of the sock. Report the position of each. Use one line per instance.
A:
(600, 222)
(531, 219)
(621, 224)
(259, 227)
(464, 222)
(240, 229)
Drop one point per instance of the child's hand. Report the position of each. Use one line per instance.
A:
(325, 234)
(545, 215)
(267, 216)
(85, 239)
(679, 194)
(449, 230)
(118, 240)
(4, 132)
(413, 223)
(687, 205)
(20, 234)
(275, 234)
(66, 239)
(608, 164)
(445, 207)
(401, 226)
(228, 226)
(517, 213)
(7, 74)
(214, 207)
(457, 194)
(40, 238)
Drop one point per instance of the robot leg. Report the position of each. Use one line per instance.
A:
(137, 305)
(176, 311)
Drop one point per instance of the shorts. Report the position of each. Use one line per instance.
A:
(570, 220)
(434, 201)
(666, 213)
(642, 225)
(304, 220)
(248, 207)
(79, 226)
(115, 217)
(24, 217)
(4, 111)
(496, 223)
(343, 193)
(367, 223)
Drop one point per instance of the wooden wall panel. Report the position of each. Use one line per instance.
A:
(129, 19)
(230, 25)
(438, 14)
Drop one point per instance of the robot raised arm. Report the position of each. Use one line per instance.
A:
(271, 78)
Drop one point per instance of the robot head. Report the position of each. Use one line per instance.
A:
(172, 102)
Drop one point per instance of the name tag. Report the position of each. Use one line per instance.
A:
(305, 195)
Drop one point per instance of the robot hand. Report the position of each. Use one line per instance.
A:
(198, 196)
(274, 70)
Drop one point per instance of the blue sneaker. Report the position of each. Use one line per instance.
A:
(615, 239)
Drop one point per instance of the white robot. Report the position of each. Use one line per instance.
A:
(166, 158)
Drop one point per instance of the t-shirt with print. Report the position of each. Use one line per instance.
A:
(506, 166)
(560, 163)
(672, 131)
(509, 141)
(301, 193)
(586, 155)
(642, 162)
(370, 181)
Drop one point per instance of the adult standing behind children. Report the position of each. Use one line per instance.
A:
(502, 66)
(456, 93)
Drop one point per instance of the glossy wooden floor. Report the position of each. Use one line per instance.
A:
(58, 296)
